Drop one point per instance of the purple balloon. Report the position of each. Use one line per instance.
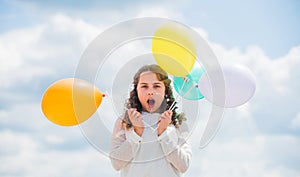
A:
(239, 84)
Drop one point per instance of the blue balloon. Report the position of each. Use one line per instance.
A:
(187, 86)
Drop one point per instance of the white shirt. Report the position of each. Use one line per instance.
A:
(150, 155)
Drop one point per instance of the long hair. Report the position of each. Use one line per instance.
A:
(133, 101)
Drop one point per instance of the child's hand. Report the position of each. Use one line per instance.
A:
(137, 120)
(164, 121)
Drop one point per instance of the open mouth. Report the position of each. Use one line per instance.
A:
(151, 102)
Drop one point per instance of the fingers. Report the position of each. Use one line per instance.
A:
(167, 115)
(165, 118)
(164, 121)
(135, 117)
(132, 113)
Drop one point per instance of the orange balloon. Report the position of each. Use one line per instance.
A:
(70, 101)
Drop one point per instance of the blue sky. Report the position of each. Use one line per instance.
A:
(273, 25)
(42, 41)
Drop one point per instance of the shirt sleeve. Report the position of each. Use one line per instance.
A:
(124, 146)
(176, 148)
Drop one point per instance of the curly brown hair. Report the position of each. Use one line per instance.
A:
(133, 101)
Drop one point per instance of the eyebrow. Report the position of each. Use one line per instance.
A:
(155, 83)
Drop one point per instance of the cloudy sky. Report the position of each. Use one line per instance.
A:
(42, 42)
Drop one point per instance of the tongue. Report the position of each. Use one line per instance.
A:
(151, 103)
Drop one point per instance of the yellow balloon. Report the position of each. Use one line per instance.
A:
(70, 101)
(174, 50)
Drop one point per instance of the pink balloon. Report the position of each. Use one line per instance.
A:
(236, 89)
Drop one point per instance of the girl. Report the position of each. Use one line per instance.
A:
(149, 140)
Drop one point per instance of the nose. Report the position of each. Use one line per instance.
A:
(150, 93)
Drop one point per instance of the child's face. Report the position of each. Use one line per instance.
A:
(150, 91)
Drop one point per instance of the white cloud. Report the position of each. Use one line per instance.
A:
(246, 157)
(41, 50)
(17, 49)
(273, 105)
(21, 155)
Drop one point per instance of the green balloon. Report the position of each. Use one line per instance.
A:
(187, 86)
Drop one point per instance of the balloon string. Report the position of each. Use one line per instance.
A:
(194, 85)
(145, 123)
(171, 107)
(185, 79)
(190, 89)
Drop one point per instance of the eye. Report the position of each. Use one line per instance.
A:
(144, 86)
(157, 86)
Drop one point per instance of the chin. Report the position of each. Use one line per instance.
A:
(157, 110)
